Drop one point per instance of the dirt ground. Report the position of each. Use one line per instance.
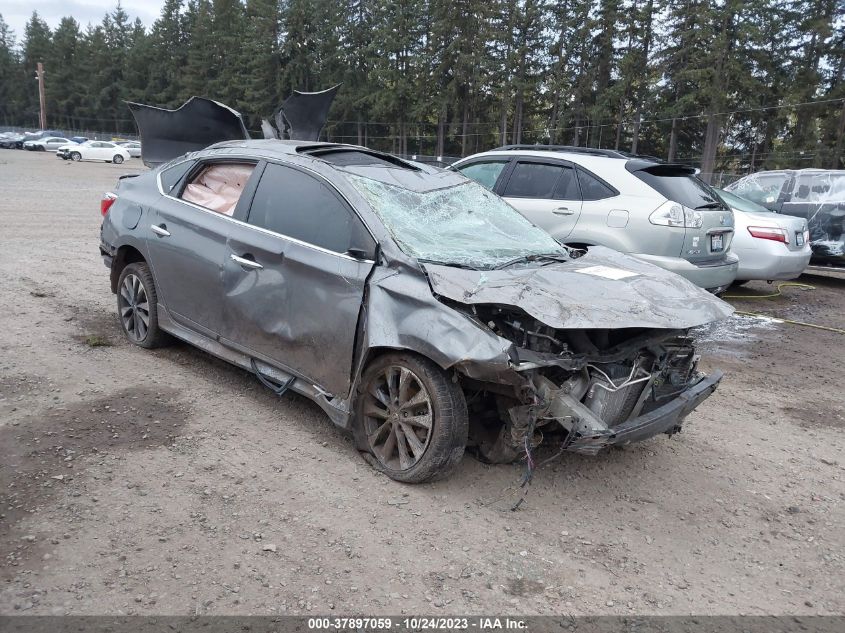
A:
(168, 482)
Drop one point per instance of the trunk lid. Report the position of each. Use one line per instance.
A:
(708, 238)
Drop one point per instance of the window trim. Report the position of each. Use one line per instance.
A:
(240, 158)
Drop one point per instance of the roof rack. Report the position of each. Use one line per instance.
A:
(592, 151)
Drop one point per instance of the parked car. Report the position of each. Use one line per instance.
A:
(78, 139)
(769, 245)
(46, 144)
(659, 212)
(93, 150)
(10, 140)
(817, 195)
(133, 147)
(400, 298)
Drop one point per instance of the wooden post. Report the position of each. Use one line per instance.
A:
(42, 100)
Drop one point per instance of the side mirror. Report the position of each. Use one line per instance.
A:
(360, 253)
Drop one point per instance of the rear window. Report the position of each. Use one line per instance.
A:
(679, 185)
(763, 189)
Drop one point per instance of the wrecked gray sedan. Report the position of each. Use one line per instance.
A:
(417, 308)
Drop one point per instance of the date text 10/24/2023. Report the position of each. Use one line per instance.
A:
(417, 623)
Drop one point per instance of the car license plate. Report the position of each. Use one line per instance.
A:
(717, 242)
(799, 238)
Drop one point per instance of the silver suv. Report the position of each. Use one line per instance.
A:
(659, 212)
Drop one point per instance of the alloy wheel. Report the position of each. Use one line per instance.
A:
(397, 417)
(134, 308)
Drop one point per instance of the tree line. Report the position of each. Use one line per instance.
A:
(731, 85)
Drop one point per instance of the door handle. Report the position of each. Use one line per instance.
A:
(160, 230)
(246, 263)
(563, 211)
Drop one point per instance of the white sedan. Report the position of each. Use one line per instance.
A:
(769, 245)
(94, 150)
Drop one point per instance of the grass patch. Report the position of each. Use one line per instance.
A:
(96, 340)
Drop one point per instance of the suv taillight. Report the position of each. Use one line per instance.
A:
(769, 233)
(673, 214)
(106, 202)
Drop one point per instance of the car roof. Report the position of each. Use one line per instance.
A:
(590, 160)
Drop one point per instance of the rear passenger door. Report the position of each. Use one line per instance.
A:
(545, 192)
(187, 245)
(294, 276)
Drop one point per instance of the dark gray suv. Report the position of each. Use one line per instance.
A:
(417, 308)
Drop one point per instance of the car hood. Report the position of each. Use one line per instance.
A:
(602, 289)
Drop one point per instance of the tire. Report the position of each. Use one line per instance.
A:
(117, 159)
(75, 156)
(135, 287)
(382, 436)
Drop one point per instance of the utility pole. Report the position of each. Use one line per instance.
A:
(41, 99)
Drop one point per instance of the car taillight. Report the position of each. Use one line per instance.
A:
(672, 214)
(106, 202)
(769, 233)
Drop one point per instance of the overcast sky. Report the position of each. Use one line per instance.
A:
(16, 13)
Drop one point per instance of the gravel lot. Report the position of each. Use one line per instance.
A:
(169, 482)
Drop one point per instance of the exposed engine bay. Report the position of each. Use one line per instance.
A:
(578, 388)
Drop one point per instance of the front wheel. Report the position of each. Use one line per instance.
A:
(137, 307)
(76, 156)
(117, 159)
(411, 418)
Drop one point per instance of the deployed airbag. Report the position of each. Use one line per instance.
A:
(219, 187)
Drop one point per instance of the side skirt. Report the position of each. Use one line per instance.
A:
(337, 410)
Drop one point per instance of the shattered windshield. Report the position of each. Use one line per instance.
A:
(463, 225)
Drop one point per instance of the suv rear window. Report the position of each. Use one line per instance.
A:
(677, 184)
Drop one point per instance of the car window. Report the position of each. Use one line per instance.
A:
(484, 173)
(218, 186)
(295, 204)
(567, 186)
(681, 186)
(171, 176)
(533, 180)
(107, 144)
(592, 188)
(760, 188)
(819, 187)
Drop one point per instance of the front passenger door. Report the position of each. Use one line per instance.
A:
(292, 289)
(546, 193)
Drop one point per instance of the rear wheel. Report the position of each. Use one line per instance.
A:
(75, 156)
(137, 307)
(411, 418)
(117, 159)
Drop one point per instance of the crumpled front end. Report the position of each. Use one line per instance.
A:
(581, 390)
(599, 352)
